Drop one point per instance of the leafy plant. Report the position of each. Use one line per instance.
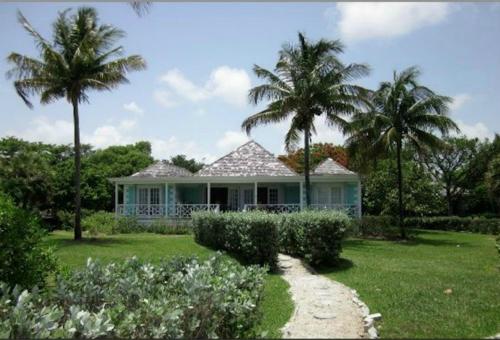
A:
(23, 259)
(101, 222)
(177, 298)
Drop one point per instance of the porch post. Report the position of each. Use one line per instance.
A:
(166, 199)
(301, 195)
(208, 194)
(255, 194)
(359, 198)
(116, 199)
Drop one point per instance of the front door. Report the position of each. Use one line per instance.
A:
(262, 195)
(219, 196)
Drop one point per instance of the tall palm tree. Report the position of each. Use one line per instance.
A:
(308, 81)
(81, 57)
(403, 111)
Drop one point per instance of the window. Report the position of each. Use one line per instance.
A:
(273, 196)
(336, 195)
(248, 196)
(155, 196)
(143, 195)
(233, 199)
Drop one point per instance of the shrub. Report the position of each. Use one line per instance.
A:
(180, 298)
(101, 222)
(127, 225)
(454, 223)
(313, 235)
(252, 236)
(23, 258)
(163, 226)
(385, 227)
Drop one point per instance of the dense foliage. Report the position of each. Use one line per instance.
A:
(319, 152)
(313, 235)
(23, 259)
(179, 298)
(421, 194)
(251, 236)
(107, 223)
(382, 226)
(190, 164)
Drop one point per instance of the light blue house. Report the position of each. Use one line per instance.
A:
(248, 178)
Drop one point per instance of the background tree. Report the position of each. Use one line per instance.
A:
(493, 181)
(319, 152)
(190, 164)
(78, 59)
(308, 81)
(448, 166)
(403, 112)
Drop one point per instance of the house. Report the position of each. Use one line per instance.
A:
(248, 178)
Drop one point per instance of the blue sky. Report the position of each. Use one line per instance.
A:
(192, 97)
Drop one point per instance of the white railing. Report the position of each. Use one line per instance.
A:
(185, 210)
(143, 210)
(277, 208)
(350, 209)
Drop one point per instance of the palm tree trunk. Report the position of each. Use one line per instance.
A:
(400, 191)
(76, 123)
(307, 136)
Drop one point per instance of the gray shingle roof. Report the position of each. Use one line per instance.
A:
(162, 169)
(330, 167)
(250, 159)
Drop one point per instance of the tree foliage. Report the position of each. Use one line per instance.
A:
(319, 152)
(190, 164)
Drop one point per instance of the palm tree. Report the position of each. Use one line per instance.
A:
(403, 111)
(308, 81)
(80, 58)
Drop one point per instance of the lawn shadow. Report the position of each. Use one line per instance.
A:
(341, 265)
(99, 242)
(418, 238)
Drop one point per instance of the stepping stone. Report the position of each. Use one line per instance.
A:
(286, 265)
(324, 315)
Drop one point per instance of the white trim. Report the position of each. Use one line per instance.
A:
(208, 193)
(116, 199)
(255, 193)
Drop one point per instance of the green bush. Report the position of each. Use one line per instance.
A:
(180, 298)
(165, 227)
(101, 222)
(23, 259)
(127, 225)
(454, 223)
(385, 227)
(67, 218)
(252, 236)
(313, 235)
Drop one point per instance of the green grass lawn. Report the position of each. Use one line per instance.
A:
(276, 307)
(406, 282)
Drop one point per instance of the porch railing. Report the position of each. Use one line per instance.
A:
(185, 210)
(143, 210)
(277, 208)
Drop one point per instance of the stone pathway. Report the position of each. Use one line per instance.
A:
(323, 308)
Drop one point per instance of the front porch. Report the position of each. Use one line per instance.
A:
(180, 200)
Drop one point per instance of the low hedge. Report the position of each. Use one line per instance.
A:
(454, 223)
(314, 235)
(179, 298)
(387, 226)
(107, 223)
(252, 236)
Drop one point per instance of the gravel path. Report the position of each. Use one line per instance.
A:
(323, 308)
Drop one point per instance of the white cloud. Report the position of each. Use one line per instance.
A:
(43, 129)
(164, 149)
(459, 101)
(360, 21)
(477, 130)
(134, 108)
(229, 84)
(164, 98)
(231, 140)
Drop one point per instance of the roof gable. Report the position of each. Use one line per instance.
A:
(330, 167)
(250, 159)
(162, 169)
